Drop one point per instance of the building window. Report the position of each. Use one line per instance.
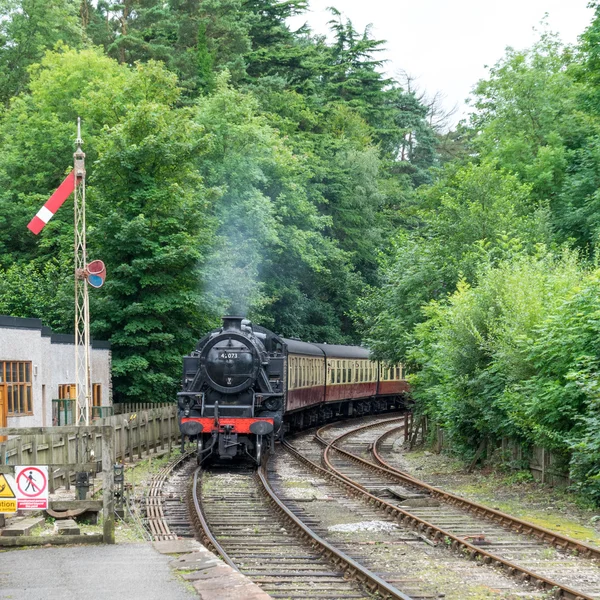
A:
(67, 391)
(96, 394)
(15, 377)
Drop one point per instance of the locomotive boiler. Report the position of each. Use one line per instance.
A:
(243, 386)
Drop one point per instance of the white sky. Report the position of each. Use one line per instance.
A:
(446, 44)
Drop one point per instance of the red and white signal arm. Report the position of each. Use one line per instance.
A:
(96, 273)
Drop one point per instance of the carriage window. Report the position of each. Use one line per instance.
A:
(332, 373)
(398, 373)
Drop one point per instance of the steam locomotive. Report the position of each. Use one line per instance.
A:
(244, 386)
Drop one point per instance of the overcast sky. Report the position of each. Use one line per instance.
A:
(446, 44)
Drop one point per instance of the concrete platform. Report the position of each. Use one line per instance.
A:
(178, 570)
(210, 576)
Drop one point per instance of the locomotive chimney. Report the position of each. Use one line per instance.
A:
(232, 323)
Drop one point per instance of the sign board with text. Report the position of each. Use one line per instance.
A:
(8, 497)
(32, 487)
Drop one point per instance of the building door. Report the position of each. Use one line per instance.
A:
(3, 409)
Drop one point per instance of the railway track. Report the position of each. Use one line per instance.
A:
(270, 545)
(289, 551)
(165, 509)
(570, 570)
(397, 554)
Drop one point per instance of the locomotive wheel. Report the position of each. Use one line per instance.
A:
(199, 448)
(259, 443)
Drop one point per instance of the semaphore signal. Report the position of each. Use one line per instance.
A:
(93, 273)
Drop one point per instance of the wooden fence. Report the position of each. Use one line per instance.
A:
(71, 449)
(136, 434)
(545, 466)
(127, 408)
(106, 436)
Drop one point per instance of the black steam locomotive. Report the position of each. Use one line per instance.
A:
(243, 386)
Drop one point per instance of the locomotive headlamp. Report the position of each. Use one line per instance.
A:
(272, 403)
(185, 401)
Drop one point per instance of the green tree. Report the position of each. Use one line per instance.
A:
(27, 29)
(472, 214)
(151, 233)
(272, 260)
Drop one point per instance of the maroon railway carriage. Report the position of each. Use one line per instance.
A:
(327, 380)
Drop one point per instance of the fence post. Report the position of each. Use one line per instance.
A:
(543, 465)
(169, 442)
(50, 463)
(108, 496)
(155, 433)
(19, 451)
(69, 460)
(145, 436)
(138, 423)
(160, 430)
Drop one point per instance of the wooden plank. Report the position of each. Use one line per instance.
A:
(42, 540)
(139, 437)
(62, 430)
(93, 505)
(108, 487)
(51, 469)
(145, 435)
(169, 432)
(9, 469)
(23, 527)
(68, 460)
(20, 451)
(67, 527)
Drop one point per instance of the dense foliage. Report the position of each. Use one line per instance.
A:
(234, 165)
(490, 295)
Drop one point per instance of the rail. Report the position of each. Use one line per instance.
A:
(432, 531)
(352, 568)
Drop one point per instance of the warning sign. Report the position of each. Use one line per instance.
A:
(8, 499)
(32, 487)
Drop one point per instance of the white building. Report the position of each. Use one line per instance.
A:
(37, 368)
